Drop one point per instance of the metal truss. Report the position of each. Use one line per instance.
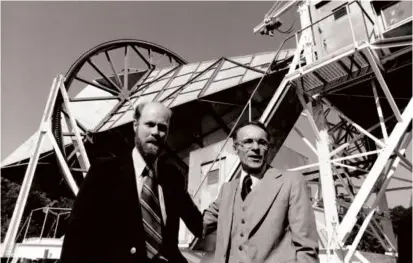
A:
(100, 67)
(341, 147)
(45, 132)
(345, 149)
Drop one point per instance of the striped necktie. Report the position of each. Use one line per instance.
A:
(151, 214)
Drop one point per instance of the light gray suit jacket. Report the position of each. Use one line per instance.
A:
(282, 226)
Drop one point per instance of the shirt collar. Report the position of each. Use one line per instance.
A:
(139, 163)
(254, 179)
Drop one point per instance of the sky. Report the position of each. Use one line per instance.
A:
(42, 39)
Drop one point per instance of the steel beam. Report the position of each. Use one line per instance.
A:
(142, 57)
(112, 66)
(126, 71)
(326, 175)
(306, 141)
(156, 79)
(380, 195)
(367, 133)
(351, 217)
(382, 83)
(86, 99)
(72, 126)
(116, 87)
(44, 130)
(97, 85)
(379, 112)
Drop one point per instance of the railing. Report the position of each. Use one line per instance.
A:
(348, 25)
(51, 225)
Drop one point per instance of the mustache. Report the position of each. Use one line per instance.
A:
(155, 141)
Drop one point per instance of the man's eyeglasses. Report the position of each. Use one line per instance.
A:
(248, 143)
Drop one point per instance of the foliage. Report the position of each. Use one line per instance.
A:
(37, 199)
(396, 215)
(369, 242)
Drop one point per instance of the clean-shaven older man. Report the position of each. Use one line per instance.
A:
(128, 209)
(266, 214)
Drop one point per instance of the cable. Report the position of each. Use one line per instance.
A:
(289, 30)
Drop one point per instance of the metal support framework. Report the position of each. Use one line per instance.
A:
(380, 113)
(125, 87)
(326, 176)
(352, 152)
(366, 133)
(45, 131)
(305, 140)
(382, 83)
(387, 231)
(350, 218)
(389, 147)
(379, 198)
(389, 235)
(72, 126)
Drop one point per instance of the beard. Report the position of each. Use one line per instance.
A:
(149, 151)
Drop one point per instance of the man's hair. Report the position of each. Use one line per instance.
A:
(253, 123)
(138, 111)
(139, 108)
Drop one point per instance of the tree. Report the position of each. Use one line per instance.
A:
(36, 199)
(369, 242)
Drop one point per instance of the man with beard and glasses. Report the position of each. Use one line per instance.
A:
(128, 209)
(265, 215)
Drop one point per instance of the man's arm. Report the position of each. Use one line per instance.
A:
(210, 216)
(191, 215)
(210, 223)
(302, 221)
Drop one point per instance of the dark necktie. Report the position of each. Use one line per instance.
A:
(151, 214)
(246, 187)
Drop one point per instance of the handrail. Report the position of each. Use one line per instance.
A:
(364, 11)
(54, 211)
(327, 16)
(324, 18)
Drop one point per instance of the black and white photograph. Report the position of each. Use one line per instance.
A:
(206, 131)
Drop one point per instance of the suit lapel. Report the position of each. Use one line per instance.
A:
(228, 207)
(267, 193)
(127, 170)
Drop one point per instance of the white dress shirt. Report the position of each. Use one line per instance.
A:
(255, 180)
(139, 165)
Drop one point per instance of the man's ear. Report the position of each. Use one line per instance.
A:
(167, 130)
(135, 126)
(234, 146)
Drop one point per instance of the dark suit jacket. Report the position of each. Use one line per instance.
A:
(282, 224)
(106, 223)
